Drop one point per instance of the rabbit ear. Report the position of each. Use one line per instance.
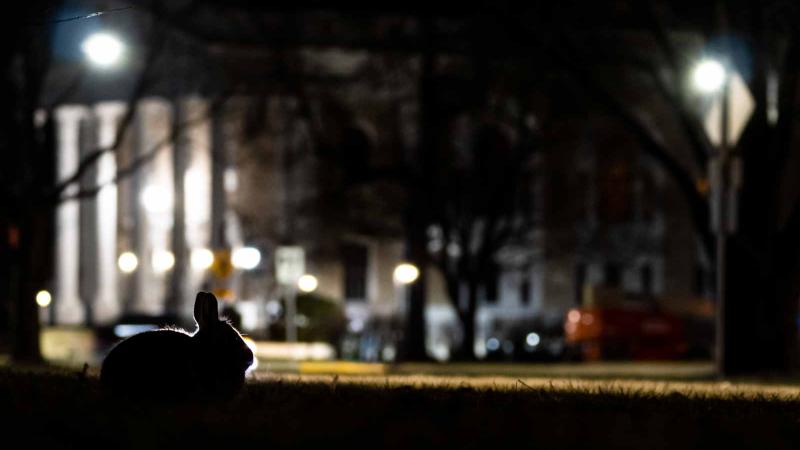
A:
(205, 309)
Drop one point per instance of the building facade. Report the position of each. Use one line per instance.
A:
(162, 198)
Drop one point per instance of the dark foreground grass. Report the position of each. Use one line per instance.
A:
(61, 409)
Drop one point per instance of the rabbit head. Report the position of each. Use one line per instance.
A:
(221, 352)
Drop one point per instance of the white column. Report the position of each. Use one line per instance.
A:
(106, 302)
(154, 202)
(197, 191)
(68, 306)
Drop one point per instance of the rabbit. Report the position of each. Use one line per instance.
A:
(170, 364)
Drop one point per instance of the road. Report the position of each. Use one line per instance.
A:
(616, 370)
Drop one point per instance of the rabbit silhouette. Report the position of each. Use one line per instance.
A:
(171, 364)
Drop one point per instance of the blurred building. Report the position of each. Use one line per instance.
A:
(134, 246)
(606, 215)
(283, 165)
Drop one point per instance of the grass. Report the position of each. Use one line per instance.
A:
(58, 408)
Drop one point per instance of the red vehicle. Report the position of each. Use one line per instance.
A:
(624, 332)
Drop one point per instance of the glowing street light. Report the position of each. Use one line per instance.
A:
(103, 49)
(709, 76)
(246, 258)
(163, 260)
(532, 339)
(307, 283)
(43, 298)
(406, 273)
(127, 262)
(201, 258)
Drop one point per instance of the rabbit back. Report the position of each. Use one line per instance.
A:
(156, 364)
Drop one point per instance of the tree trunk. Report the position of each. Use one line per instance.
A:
(760, 314)
(466, 349)
(28, 275)
(416, 252)
(417, 213)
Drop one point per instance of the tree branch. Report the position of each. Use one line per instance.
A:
(147, 156)
(650, 146)
(153, 50)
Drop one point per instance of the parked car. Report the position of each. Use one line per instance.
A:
(535, 339)
(129, 324)
(595, 333)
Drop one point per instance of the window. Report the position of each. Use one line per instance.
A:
(525, 290)
(354, 257)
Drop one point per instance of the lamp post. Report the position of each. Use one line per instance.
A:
(404, 274)
(712, 77)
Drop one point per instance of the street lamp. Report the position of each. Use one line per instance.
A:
(162, 261)
(307, 283)
(43, 298)
(127, 262)
(201, 258)
(103, 49)
(711, 77)
(246, 258)
(405, 273)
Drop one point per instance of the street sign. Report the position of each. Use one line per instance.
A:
(740, 109)
(223, 293)
(290, 264)
(222, 266)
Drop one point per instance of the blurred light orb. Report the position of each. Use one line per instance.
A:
(307, 283)
(156, 199)
(708, 76)
(389, 353)
(43, 298)
(103, 49)
(274, 308)
(356, 325)
(574, 316)
(127, 262)
(201, 258)
(492, 344)
(406, 273)
(532, 339)
(230, 179)
(246, 258)
(163, 260)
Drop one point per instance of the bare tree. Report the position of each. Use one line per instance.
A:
(638, 75)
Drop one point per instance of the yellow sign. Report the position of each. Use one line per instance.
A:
(222, 265)
(223, 294)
